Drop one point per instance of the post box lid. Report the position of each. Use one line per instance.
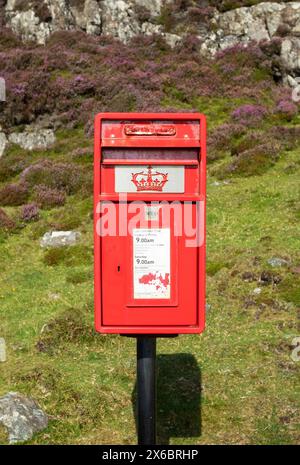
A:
(150, 130)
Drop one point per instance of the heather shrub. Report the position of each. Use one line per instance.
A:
(65, 177)
(199, 14)
(286, 109)
(6, 223)
(251, 162)
(82, 85)
(47, 197)
(11, 165)
(271, 47)
(249, 141)
(226, 5)
(14, 194)
(7, 38)
(188, 46)
(76, 75)
(167, 17)
(249, 114)
(222, 138)
(287, 136)
(185, 14)
(69, 39)
(252, 76)
(29, 212)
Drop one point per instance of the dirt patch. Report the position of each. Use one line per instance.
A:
(267, 277)
(248, 276)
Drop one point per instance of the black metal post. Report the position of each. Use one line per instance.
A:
(146, 389)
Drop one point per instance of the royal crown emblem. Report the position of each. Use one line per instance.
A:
(149, 180)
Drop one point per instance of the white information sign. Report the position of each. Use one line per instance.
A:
(151, 263)
(149, 179)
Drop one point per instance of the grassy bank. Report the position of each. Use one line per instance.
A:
(236, 383)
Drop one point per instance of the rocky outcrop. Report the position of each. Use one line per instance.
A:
(37, 19)
(121, 19)
(262, 22)
(21, 416)
(118, 18)
(60, 238)
(32, 139)
(2, 350)
(3, 143)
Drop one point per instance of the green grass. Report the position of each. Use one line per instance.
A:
(237, 377)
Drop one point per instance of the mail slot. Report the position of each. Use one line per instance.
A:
(149, 223)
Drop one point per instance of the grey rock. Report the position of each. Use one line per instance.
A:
(153, 6)
(60, 238)
(21, 416)
(33, 138)
(256, 23)
(276, 261)
(120, 19)
(291, 81)
(220, 183)
(290, 53)
(2, 350)
(257, 290)
(3, 143)
(26, 24)
(172, 39)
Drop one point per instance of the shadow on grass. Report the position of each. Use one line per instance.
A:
(178, 397)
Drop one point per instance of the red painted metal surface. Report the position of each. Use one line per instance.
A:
(116, 309)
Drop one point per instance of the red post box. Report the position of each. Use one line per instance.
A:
(149, 213)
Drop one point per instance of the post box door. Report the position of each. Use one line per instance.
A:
(152, 283)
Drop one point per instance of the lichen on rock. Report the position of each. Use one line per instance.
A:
(21, 416)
